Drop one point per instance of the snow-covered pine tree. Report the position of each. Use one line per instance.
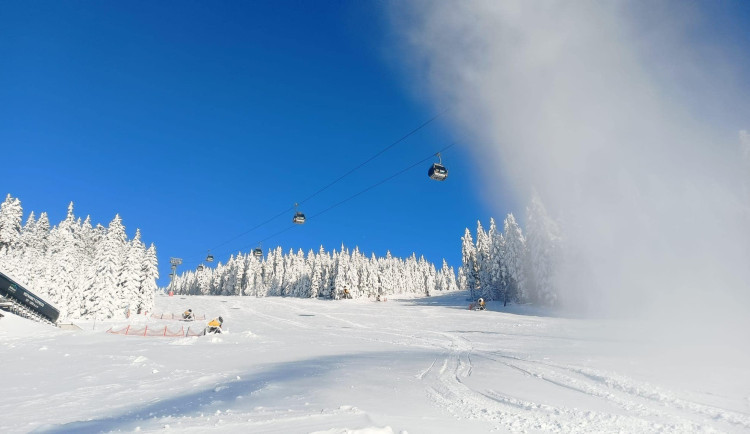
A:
(498, 268)
(515, 258)
(105, 298)
(11, 215)
(486, 264)
(339, 274)
(372, 280)
(150, 270)
(387, 279)
(229, 277)
(354, 273)
(316, 279)
(28, 251)
(131, 279)
(65, 257)
(470, 265)
(543, 245)
(451, 280)
(240, 273)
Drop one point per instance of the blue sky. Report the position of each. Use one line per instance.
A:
(197, 121)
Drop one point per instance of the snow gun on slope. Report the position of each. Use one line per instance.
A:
(23, 302)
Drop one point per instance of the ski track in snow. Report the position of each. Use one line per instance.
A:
(291, 365)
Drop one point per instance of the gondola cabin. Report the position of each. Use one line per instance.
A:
(258, 253)
(200, 267)
(438, 172)
(299, 218)
(210, 257)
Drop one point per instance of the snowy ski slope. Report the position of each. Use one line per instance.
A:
(351, 366)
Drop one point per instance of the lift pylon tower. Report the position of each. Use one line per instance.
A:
(174, 263)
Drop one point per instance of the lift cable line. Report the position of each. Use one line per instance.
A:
(404, 137)
(379, 183)
(337, 204)
(330, 184)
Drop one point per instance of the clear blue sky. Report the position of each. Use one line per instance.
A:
(197, 121)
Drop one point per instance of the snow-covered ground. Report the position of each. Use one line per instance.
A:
(288, 365)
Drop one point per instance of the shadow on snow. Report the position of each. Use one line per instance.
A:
(195, 403)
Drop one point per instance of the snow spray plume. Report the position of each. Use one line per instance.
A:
(601, 108)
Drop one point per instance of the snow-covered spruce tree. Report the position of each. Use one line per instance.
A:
(240, 273)
(372, 280)
(470, 265)
(256, 278)
(276, 257)
(451, 280)
(485, 263)
(340, 265)
(353, 273)
(462, 282)
(11, 215)
(150, 271)
(543, 246)
(387, 277)
(65, 257)
(203, 281)
(132, 276)
(229, 283)
(499, 270)
(106, 298)
(217, 280)
(326, 287)
(316, 279)
(515, 259)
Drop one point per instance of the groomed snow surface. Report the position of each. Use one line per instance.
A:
(428, 365)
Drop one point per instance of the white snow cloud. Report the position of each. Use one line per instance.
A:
(599, 107)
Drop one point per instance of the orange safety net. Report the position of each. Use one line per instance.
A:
(151, 331)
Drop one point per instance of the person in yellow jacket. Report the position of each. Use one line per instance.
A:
(214, 326)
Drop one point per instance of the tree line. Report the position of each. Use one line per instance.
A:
(318, 275)
(512, 267)
(85, 271)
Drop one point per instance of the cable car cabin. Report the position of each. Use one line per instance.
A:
(210, 258)
(299, 218)
(200, 267)
(438, 172)
(258, 253)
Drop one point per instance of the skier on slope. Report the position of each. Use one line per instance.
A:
(188, 315)
(214, 326)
